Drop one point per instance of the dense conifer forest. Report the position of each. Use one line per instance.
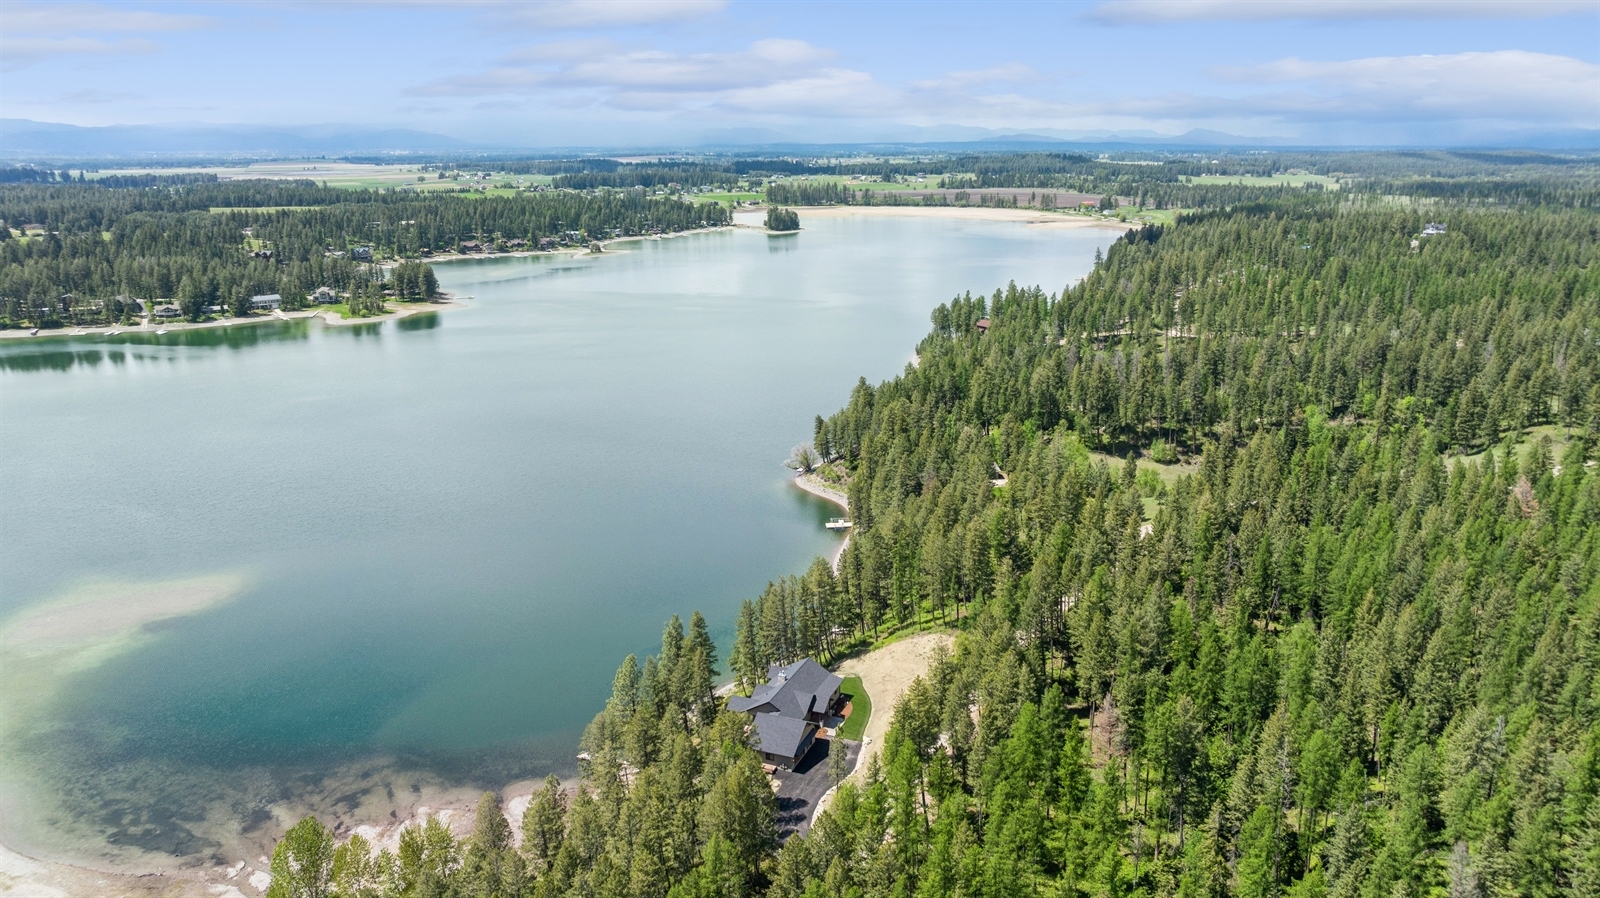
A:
(1272, 548)
(82, 249)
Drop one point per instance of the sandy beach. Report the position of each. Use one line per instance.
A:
(821, 490)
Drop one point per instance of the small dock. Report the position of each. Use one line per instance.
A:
(838, 524)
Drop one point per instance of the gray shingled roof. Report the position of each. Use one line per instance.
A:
(780, 735)
(793, 691)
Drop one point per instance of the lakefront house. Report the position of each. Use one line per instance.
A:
(788, 709)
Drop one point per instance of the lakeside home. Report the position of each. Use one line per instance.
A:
(788, 709)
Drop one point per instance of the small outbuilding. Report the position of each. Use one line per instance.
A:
(982, 325)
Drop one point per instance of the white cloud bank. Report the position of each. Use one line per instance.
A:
(1138, 12)
(34, 32)
(1508, 85)
(790, 80)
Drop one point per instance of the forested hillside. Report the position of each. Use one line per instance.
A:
(1346, 643)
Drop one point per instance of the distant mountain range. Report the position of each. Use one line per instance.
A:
(23, 137)
(26, 139)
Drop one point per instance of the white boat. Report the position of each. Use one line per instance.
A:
(160, 331)
(838, 524)
(34, 332)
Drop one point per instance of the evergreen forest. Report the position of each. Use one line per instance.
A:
(76, 252)
(1272, 550)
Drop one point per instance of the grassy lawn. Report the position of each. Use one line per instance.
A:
(343, 310)
(727, 199)
(1155, 216)
(860, 709)
(1559, 440)
(1169, 474)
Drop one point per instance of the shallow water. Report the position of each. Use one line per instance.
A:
(448, 529)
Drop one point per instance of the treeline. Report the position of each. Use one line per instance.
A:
(675, 801)
(633, 175)
(102, 243)
(967, 191)
(1339, 657)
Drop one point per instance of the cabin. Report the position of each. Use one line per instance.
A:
(982, 325)
(1433, 229)
(361, 254)
(168, 312)
(788, 710)
(471, 246)
(324, 296)
(266, 301)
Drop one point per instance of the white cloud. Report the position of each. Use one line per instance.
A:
(92, 18)
(610, 13)
(37, 31)
(1512, 85)
(1126, 12)
(20, 52)
(561, 15)
(611, 70)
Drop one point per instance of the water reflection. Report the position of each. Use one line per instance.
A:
(422, 321)
(64, 353)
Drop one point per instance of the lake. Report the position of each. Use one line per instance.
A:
(416, 551)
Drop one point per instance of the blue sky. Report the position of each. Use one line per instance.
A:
(635, 72)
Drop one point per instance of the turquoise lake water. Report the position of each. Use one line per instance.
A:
(449, 529)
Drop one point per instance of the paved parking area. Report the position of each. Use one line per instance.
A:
(800, 789)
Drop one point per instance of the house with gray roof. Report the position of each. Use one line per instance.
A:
(788, 709)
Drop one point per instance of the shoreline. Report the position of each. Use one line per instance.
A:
(574, 251)
(31, 874)
(333, 319)
(1037, 217)
(808, 483)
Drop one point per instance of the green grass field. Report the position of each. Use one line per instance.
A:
(860, 709)
(728, 199)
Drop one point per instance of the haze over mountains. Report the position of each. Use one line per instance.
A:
(24, 139)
